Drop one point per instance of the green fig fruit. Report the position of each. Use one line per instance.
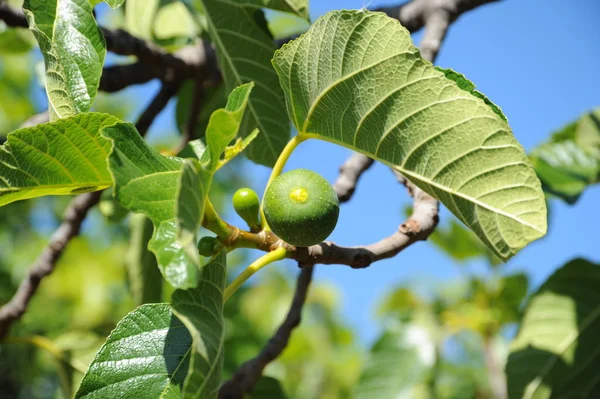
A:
(301, 207)
(206, 246)
(247, 204)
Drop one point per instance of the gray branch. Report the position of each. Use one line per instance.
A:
(45, 263)
(248, 374)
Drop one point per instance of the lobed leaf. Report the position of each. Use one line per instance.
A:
(63, 157)
(355, 79)
(555, 353)
(244, 51)
(146, 356)
(201, 310)
(73, 48)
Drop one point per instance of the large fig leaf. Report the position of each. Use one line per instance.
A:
(146, 356)
(555, 354)
(356, 79)
(73, 48)
(201, 310)
(63, 157)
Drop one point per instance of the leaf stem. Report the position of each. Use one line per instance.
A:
(213, 222)
(278, 168)
(273, 256)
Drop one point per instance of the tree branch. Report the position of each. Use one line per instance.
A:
(158, 103)
(45, 263)
(417, 227)
(189, 129)
(248, 374)
(12, 16)
(350, 172)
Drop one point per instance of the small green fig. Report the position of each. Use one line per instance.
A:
(301, 207)
(206, 246)
(111, 209)
(247, 204)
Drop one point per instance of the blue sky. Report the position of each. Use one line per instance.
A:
(539, 61)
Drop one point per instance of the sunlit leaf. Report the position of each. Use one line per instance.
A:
(148, 182)
(73, 49)
(172, 191)
(355, 79)
(570, 161)
(245, 51)
(238, 147)
(283, 25)
(57, 158)
(146, 356)
(201, 310)
(298, 7)
(139, 17)
(174, 20)
(555, 353)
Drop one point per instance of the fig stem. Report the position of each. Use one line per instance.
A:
(273, 256)
(278, 168)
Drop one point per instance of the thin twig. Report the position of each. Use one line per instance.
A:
(158, 103)
(248, 374)
(45, 263)
(189, 129)
(350, 172)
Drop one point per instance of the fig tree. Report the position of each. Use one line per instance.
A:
(301, 207)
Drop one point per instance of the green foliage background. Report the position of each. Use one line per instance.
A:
(434, 345)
